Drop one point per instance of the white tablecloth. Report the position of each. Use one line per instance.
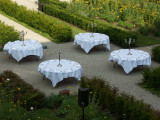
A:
(87, 42)
(32, 47)
(128, 62)
(56, 74)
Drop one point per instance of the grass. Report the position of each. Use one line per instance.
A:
(152, 90)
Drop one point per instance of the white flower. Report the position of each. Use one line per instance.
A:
(8, 79)
(31, 108)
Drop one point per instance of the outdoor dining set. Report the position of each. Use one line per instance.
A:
(58, 69)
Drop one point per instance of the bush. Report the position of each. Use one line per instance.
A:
(144, 30)
(22, 91)
(116, 35)
(56, 2)
(37, 20)
(67, 16)
(122, 106)
(157, 27)
(53, 101)
(156, 53)
(7, 33)
(151, 77)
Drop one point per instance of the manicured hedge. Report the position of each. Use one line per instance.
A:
(156, 53)
(56, 2)
(67, 16)
(116, 35)
(7, 33)
(121, 105)
(36, 20)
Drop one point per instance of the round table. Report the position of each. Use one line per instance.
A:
(87, 41)
(128, 62)
(56, 74)
(19, 51)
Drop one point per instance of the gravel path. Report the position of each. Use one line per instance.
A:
(93, 64)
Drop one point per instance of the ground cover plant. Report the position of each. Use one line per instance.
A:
(116, 34)
(129, 14)
(37, 20)
(7, 33)
(17, 101)
(151, 80)
(121, 106)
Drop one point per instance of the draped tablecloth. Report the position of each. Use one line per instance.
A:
(87, 42)
(32, 47)
(56, 74)
(128, 62)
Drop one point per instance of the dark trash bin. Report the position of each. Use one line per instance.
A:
(40, 7)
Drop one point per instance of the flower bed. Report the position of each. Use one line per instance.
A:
(116, 35)
(122, 106)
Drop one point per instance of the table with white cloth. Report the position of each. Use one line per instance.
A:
(19, 51)
(128, 62)
(87, 41)
(56, 73)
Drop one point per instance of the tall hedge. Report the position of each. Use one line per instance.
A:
(36, 20)
(116, 35)
(7, 33)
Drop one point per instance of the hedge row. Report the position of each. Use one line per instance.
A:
(56, 2)
(116, 35)
(36, 20)
(7, 33)
(156, 53)
(121, 106)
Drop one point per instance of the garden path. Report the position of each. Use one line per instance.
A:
(93, 64)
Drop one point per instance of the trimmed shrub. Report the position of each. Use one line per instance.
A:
(156, 53)
(53, 101)
(151, 77)
(56, 2)
(7, 33)
(116, 35)
(37, 20)
(22, 91)
(122, 106)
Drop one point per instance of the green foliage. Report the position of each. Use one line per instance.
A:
(144, 29)
(53, 101)
(133, 12)
(157, 27)
(22, 91)
(37, 20)
(151, 77)
(7, 33)
(156, 53)
(56, 2)
(70, 110)
(123, 106)
(116, 35)
(67, 15)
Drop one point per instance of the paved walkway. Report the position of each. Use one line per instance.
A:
(94, 64)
